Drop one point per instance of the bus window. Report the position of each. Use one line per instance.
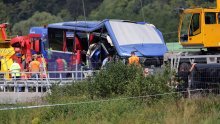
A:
(55, 38)
(69, 45)
(69, 41)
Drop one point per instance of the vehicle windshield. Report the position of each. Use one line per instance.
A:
(130, 33)
(186, 19)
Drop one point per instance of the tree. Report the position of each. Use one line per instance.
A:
(75, 7)
(161, 13)
(38, 19)
(3, 13)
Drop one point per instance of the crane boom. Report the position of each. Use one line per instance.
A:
(3, 35)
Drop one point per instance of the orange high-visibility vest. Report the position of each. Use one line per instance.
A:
(134, 60)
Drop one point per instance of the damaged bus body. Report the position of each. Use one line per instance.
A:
(88, 43)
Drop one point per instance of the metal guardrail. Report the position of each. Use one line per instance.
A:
(41, 82)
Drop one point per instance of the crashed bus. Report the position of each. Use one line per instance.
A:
(89, 42)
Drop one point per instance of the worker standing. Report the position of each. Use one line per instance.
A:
(43, 66)
(34, 68)
(65, 64)
(133, 59)
(15, 70)
(60, 66)
(106, 61)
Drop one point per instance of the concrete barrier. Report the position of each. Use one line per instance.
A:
(21, 97)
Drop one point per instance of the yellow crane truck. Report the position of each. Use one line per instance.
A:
(200, 27)
(198, 62)
(6, 52)
(199, 35)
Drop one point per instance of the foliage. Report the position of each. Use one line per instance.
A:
(20, 10)
(150, 12)
(115, 100)
(121, 79)
(38, 19)
(3, 13)
(75, 91)
(162, 13)
(115, 81)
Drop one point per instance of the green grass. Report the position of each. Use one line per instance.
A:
(112, 84)
(164, 111)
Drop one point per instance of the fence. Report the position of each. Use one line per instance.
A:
(203, 78)
(41, 82)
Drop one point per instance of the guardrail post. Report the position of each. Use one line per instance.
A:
(48, 75)
(41, 83)
(47, 82)
(15, 84)
(26, 86)
(81, 74)
(76, 71)
(37, 84)
(4, 87)
(7, 87)
(189, 87)
(60, 73)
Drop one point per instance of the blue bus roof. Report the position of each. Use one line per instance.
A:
(143, 38)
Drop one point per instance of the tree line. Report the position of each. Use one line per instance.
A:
(22, 14)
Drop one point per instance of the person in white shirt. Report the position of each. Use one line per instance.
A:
(107, 60)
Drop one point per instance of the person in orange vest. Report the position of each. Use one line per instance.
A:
(133, 59)
(60, 66)
(34, 68)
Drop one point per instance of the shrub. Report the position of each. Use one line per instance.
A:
(76, 90)
(150, 85)
(120, 79)
(115, 81)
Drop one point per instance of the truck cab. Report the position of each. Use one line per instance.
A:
(200, 27)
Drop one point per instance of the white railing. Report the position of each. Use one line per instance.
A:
(41, 81)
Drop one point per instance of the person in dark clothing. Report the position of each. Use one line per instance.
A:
(183, 77)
